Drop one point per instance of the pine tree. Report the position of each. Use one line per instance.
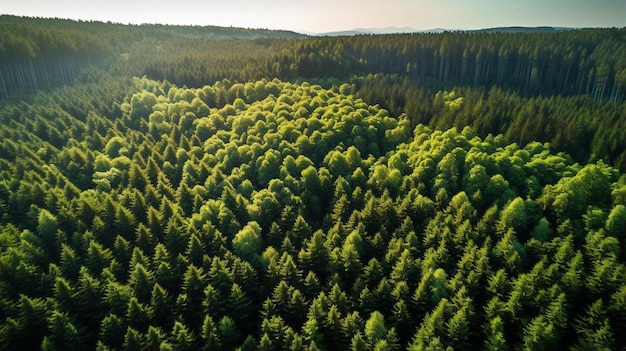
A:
(63, 331)
(189, 302)
(182, 338)
(132, 340)
(161, 310)
(155, 338)
(229, 333)
(138, 315)
(210, 340)
(112, 331)
(241, 307)
(141, 280)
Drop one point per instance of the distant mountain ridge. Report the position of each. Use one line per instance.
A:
(400, 30)
(518, 29)
(360, 31)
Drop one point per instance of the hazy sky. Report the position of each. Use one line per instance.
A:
(334, 15)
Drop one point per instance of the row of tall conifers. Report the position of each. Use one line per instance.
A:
(38, 53)
(32, 58)
(587, 61)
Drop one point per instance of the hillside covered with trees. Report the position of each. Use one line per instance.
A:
(569, 85)
(198, 188)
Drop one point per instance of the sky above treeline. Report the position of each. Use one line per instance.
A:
(335, 15)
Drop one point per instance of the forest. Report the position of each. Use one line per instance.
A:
(206, 188)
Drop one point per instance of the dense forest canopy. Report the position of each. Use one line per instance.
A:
(563, 87)
(205, 188)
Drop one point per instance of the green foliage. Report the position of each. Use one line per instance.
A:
(274, 215)
(375, 329)
(247, 242)
(47, 224)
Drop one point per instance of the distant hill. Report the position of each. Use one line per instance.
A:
(397, 30)
(214, 32)
(359, 31)
(543, 29)
(196, 32)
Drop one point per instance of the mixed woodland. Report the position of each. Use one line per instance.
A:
(206, 188)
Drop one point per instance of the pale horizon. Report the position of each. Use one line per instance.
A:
(343, 15)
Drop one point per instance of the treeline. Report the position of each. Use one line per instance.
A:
(35, 57)
(277, 216)
(573, 62)
(38, 53)
(181, 61)
(577, 62)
